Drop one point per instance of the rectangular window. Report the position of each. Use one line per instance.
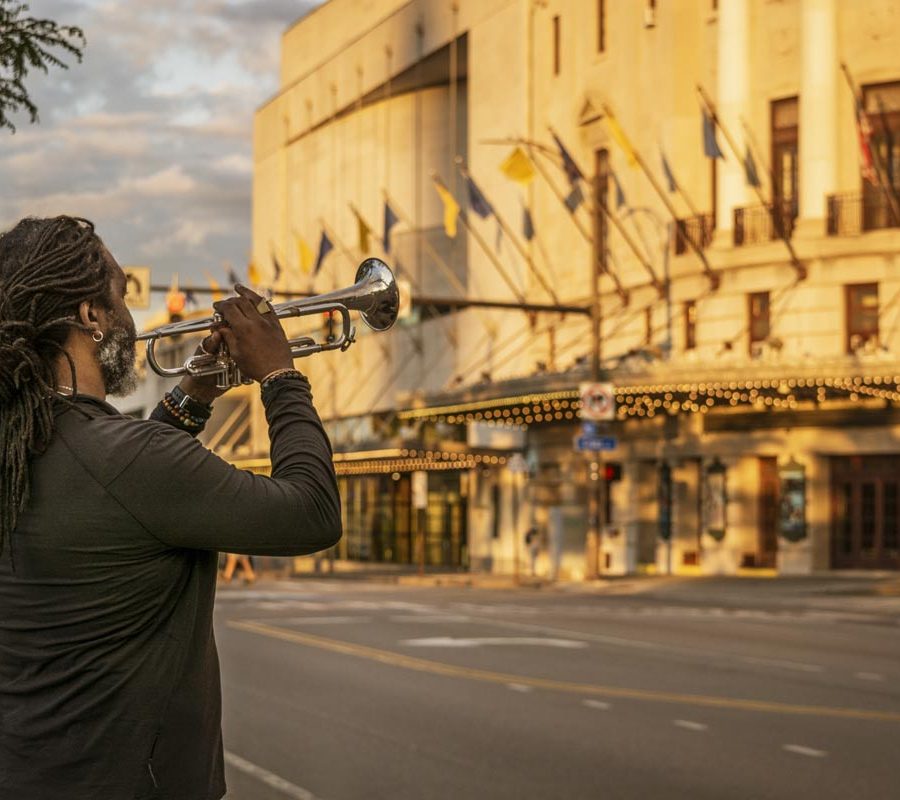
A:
(861, 301)
(601, 26)
(785, 128)
(601, 201)
(882, 104)
(649, 13)
(690, 324)
(758, 313)
(556, 44)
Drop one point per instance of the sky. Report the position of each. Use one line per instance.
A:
(150, 136)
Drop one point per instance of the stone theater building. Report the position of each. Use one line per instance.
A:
(726, 174)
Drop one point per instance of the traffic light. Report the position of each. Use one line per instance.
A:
(328, 328)
(612, 472)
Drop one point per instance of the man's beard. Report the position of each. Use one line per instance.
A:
(116, 354)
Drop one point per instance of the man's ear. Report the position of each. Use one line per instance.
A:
(87, 316)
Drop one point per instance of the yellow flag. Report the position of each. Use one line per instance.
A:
(253, 274)
(619, 135)
(518, 167)
(451, 208)
(305, 255)
(364, 232)
(214, 285)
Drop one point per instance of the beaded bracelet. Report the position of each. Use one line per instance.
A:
(278, 375)
(187, 419)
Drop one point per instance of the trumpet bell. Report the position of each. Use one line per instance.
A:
(383, 295)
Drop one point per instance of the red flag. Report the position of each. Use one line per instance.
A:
(864, 131)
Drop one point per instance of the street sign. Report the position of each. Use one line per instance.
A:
(598, 401)
(137, 285)
(596, 443)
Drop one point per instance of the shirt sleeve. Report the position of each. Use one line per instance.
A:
(186, 496)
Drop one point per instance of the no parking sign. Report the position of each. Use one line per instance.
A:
(598, 401)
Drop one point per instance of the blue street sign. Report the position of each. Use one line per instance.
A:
(596, 443)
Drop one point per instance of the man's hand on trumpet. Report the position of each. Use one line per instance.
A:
(254, 338)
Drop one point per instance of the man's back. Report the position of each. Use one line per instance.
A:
(105, 644)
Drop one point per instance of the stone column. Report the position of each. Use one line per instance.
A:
(818, 112)
(732, 94)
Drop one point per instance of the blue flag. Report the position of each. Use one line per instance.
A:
(527, 224)
(569, 165)
(750, 172)
(575, 198)
(620, 195)
(325, 247)
(232, 277)
(390, 219)
(277, 267)
(190, 299)
(667, 171)
(477, 201)
(710, 145)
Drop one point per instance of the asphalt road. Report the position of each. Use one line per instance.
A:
(343, 690)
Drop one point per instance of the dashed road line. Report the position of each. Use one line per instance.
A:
(776, 662)
(870, 676)
(599, 705)
(800, 750)
(268, 778)
(520, 687)
(689, 725)
(324, 620)
(472, 673)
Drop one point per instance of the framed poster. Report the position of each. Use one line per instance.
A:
(792, 505)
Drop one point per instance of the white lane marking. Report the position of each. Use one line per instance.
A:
(688, 725)
(597, 704)
(449, 618)
(528, 641)
(269, 778)
(776, 662)
(520, 687)
(870, 676)
(800, 750)
(588, 637)
(322, 620)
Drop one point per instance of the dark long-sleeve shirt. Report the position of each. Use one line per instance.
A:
(109, 677)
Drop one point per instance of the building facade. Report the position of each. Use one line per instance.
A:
(747, 305)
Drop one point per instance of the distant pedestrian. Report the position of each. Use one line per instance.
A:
(533, 545)
(232, 562)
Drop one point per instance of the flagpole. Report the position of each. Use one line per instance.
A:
(620, 289)
(876, 156)
(442, 264)
(777, 227)
(617, 223)
(760, 156)
(516, 243)
(711, 275)
(461, 215)
(401, 271)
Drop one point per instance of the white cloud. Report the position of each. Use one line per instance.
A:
(151, 136)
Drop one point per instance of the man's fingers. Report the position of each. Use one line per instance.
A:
(249, 294)
(235, 309)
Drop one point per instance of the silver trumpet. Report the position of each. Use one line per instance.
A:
(374, 295)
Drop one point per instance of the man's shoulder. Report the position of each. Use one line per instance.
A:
(104, 440)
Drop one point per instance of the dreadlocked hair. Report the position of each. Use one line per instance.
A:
(48, 267)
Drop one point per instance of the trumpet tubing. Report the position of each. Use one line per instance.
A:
(374, 296)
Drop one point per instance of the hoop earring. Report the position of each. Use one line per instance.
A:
(97, 336)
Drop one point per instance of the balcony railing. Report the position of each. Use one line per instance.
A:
(757, 224)
(698, 230)
(854, 212)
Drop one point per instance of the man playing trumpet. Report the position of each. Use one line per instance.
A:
(110, 527)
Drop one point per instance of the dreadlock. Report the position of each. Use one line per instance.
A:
(48, 267)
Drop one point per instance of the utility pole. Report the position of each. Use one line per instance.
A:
(595, 483)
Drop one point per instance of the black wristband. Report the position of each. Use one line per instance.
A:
(187, 403)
